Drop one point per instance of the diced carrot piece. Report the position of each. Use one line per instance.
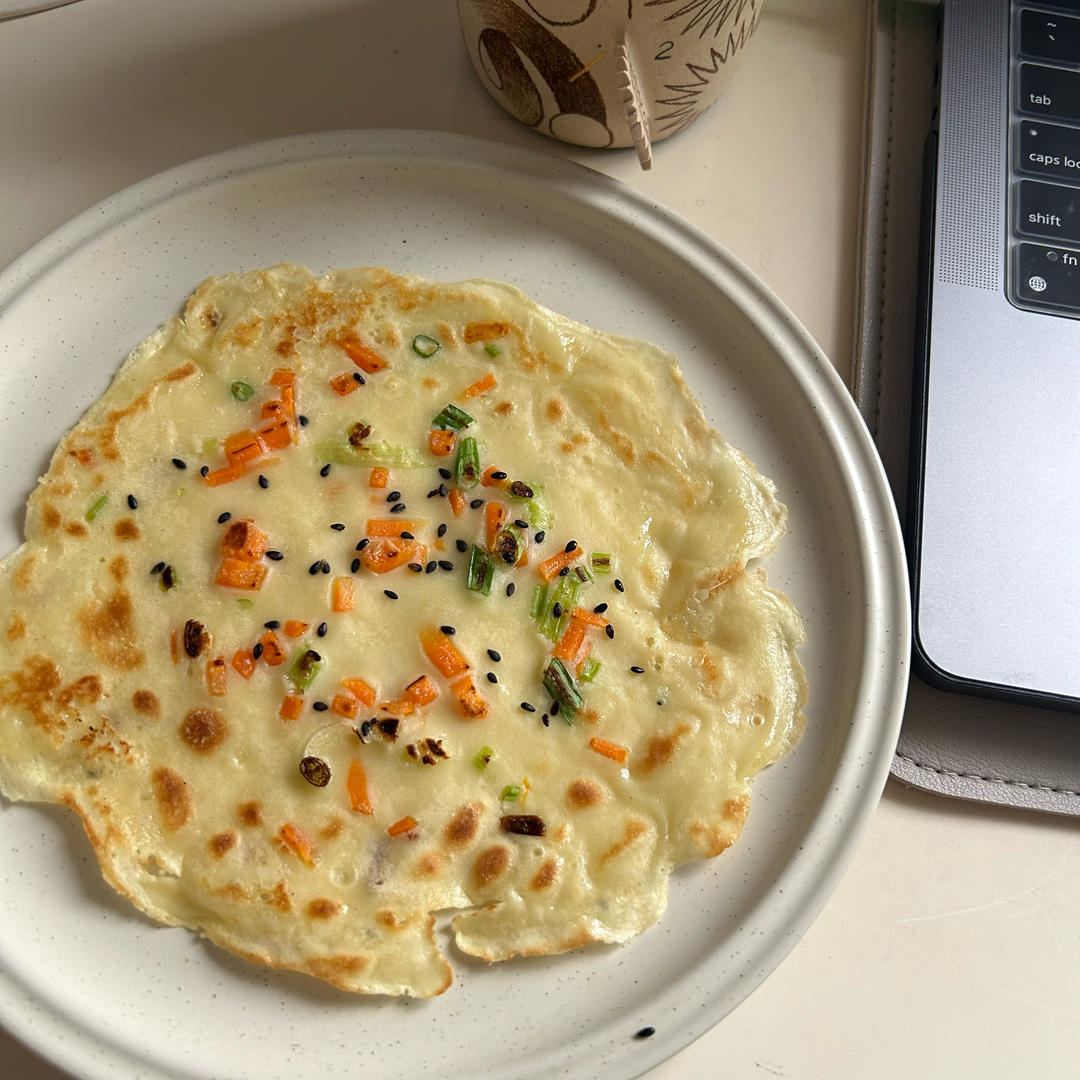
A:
(342, 594)
(582, 655)
(393, 527)
(288, 401)
(298, 843)
(479, 387)
(242, 447)
(485, 331)
(223, 475)
(243, 541)
(489, 479)
(272, 410)
(174, 647)
(243, 662)
(277, 434)
(291, 707)
(359, 798)
(385, 554)
(401, 707)
(240, 574)
(441, 443)
(283, 377)
(423, 691)
(609, 749)
(379, 477)
(344, 384)
(442, 652)
(469, 698)
(272, 652)
(216, 673)
(294, 628)
(365, 359)
(494, 516)
(402, 826)
(568, 645)
(457, 502)
(361, 689)
(590, 618)
(344, 705)
(550, 568)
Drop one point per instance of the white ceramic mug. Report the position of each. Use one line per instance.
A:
(606, 72)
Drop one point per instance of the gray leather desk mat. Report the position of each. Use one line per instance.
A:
(955, 745)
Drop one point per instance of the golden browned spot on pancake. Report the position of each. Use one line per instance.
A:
(16, 627)
(634, 829)
(245, 333)
(76, 528)
(555, 409)
(62, 487)
(711, 839)
(428, 864)
(146, 702)
(83, 455)
(50, 516)
(713, 671)
(579, 438)
(31, 688)
(84, 691)
(173, 799)
(336, 969)
(204, 730)
(660, 748)
(24, 576)
(126, 529)
(322, 908)
(719, 578)
(582, 793)
(286, 347)
(429, 383)
(485, 331)
(250, 814)
(233, 891)
(278, 897)
(567, 447)
(504, 408)
(334, 827)
(491, 864)
(211, 318)
(386, 917)
(546, 876)
(107, 435)
(446, 333)
(107, 628)
(622, 442)
(737, 808)
(118, 568)
(461, 828)
(222, 843)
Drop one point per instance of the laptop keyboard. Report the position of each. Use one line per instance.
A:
(1045, 177)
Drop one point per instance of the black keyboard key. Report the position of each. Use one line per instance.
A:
(1048, 277)
(1062, 5)
(1049, 37)
(1048, 210)
(1048, 150)
(1049, 92)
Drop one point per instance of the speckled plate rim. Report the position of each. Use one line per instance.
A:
(805, 884)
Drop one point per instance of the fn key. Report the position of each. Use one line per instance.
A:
(1048, 277)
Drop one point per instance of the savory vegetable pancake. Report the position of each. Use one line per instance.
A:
(360, 598)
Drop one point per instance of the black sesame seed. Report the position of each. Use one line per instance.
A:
(494, 655)
(324, 566)
(407, 536)
(527, 707)
(539, 537)
(445, 564)
(572, 546)
(390, 592)
(557, 610)
(222, 518)
(359, 378)
(521, 523)
(157, 568)
(492, 677)
(263, 482)
(363, 544)
(461, 545)
(397, 508)
(510, 589)
(600, 609)
(609, 630)
(476, 503)
(441, 531)
(432, 493)
(275, 555)
(273, 624)
(444, 490)
(448, 630)
(320, 706)
(618, 585)
(325, 470)
(133, 503)
(431, 567)
(416, 568)
(564, 571)
(498, 475)
(302, 420)
(637, 669)
(205, 470)
(355, 565)
(394, 496)
(338, 527)
(257, 651)
(315, 567)
(645, 1032)
(545, 719)
(445, 474)
(180, 463)
(322, 629)
(555, 706)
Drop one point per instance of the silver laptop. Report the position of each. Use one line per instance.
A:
(994, 515)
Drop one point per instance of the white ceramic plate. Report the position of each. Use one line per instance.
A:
(102, 991)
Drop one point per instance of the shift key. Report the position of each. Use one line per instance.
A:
(1048, 210)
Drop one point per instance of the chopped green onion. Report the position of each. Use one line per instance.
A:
(467, 463)
(589, 670)
(94, 508)
(559, 684)
(539, 518)
(509, 545)
(244, 602)
(242, 391)
(539, 601)
(482, 757)
(452, 418)
(425, 346)
(491, 350)
(521, 491)
(510, 793)
(304, 668)
(481, 571)
(388, 455)
(581, 572)
(564, 594)
(600, 561)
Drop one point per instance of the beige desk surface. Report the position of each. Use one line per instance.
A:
(950, 948)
